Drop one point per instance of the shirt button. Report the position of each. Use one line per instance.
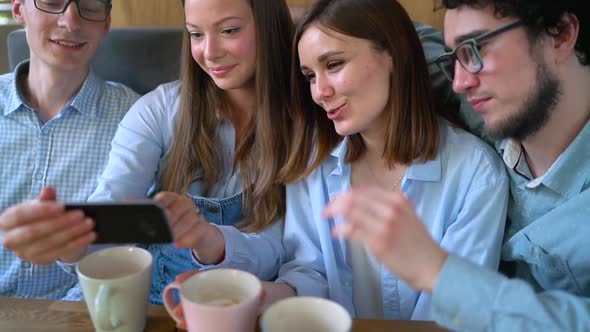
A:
(212, 209)
(457, 321)
(26, 264)
(45, 132)
(39, 176)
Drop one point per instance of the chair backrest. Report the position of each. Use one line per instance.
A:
(141, 58)
(5, 29)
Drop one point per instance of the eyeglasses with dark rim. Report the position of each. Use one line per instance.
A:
(467, 53)
(91, 10)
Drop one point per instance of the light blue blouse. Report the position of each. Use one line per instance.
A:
(461, 196)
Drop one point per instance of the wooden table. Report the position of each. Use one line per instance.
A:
(63, 316)
(53, 316)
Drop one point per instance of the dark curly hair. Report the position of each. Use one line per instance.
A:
(540, 16)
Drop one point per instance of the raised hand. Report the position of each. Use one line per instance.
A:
(42, 231)
(387, 224)
(191, 230)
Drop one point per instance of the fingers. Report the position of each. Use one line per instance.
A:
(47, 194)
(165, 198)
(369, 213)
(187, 233)
(177, 206)
(185, 220)
(42, 229)
(66, 249)
(44, 242)
(29, 212)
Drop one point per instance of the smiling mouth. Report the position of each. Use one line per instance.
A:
(222, 71)
(69, 44)
(335, 112)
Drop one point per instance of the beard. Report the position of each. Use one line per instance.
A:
(534, 112)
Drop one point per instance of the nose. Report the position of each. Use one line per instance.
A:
(70, 18)
(213, 49)
(321, 89)
(463, 80)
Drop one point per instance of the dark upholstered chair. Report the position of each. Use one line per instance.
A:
(141, 58)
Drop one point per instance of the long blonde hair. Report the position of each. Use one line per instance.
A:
(262, 149)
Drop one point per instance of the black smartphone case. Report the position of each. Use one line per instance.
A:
(127, 223)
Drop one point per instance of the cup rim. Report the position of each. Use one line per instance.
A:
(303, 299)
(144, 252)
(194, 277)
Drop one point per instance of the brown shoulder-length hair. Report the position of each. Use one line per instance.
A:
(412, 123)
(262, 149)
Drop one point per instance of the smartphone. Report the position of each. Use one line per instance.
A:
(127, 222)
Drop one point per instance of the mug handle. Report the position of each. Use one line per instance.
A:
(169, 303)
(102, 309)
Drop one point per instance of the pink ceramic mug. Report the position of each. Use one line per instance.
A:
(222, 300)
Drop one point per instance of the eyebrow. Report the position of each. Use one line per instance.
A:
(323, 57)
(188, 24)
(469, 35)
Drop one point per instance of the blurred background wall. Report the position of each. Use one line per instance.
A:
(162, 13)
(169, 12)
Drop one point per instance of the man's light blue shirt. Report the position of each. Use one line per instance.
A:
(548, 242)
(460, 196)
(67, 152)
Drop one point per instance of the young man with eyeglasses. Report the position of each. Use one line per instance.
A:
(57, 120)
(524, 68)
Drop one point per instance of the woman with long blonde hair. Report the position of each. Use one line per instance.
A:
(208, 147)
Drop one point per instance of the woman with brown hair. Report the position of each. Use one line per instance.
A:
(374, 151)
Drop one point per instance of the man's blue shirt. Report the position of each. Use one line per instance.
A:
(67, 152)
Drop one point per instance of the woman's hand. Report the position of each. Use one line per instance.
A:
(191, 230)
(387, 224)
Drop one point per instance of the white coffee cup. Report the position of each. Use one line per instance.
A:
(220, 300)
(303, 313)
(116, 285)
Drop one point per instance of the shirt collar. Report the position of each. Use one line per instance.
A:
(339, 153)
(430, 170)
(85, 101)
(571, 170)
(511, 151)
(14, 100)
(565, 176)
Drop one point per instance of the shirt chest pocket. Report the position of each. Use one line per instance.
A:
(551, 271)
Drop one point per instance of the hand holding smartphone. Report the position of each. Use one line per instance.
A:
(127, 222)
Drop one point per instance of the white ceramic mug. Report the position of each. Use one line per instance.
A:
(116, 286)
(309, 314)
(220, 300)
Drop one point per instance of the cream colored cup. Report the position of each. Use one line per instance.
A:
(309, 314)
(220, 300)
(116, 285)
